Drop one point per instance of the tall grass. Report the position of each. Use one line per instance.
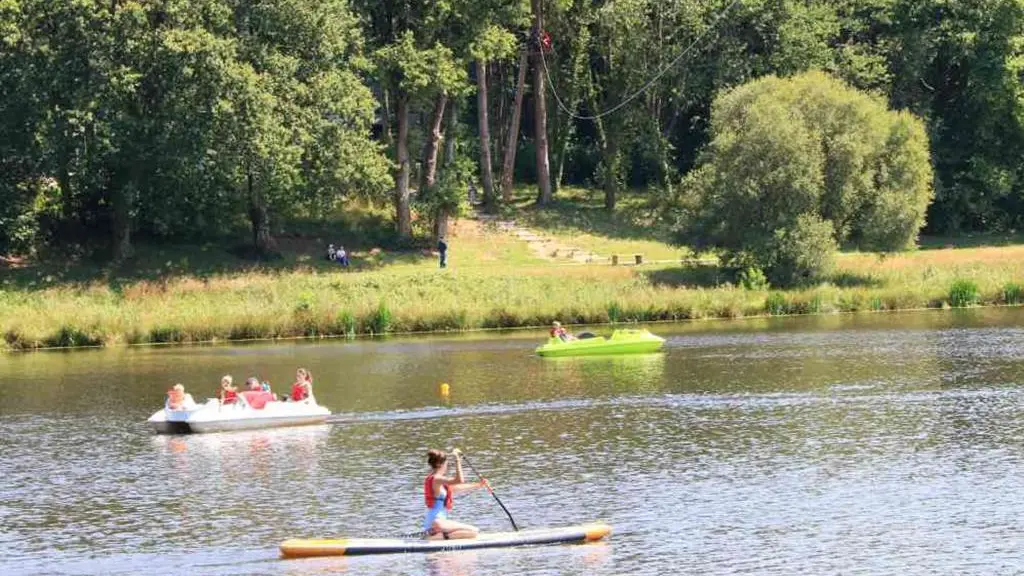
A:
(963, 293)
(518, 291)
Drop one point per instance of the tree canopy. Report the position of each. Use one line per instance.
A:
(181, 117)
(797, 166)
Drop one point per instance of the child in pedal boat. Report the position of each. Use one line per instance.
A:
(228, 392)
(303, 386)
(177, 399)
(438, 490)
(558, 332)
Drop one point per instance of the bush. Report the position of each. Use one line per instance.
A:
(1013, 293)
(380, 320)
(801, 253)
(963, 293)
(614, 312)
(775, 304)
(793, 161)
(752, 278)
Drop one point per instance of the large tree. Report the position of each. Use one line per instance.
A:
(797, 166)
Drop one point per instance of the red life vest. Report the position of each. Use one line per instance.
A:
(299, 391)
(230, 397)
(428, 493)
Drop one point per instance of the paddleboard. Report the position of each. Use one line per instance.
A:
(304, 548)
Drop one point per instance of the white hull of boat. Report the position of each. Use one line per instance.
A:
(215, 417)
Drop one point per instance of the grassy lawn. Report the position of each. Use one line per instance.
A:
(203, 292)
(577, 218)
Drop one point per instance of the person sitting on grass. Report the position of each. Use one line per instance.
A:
(558, 332)
(341, 256)
(330, 253)
(228, 392)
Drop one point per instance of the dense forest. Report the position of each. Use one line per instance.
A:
(165, 119)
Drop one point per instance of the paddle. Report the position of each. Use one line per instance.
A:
(488, 485)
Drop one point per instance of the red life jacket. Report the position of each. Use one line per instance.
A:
(299, 391)
(230, 397)
(428, 493)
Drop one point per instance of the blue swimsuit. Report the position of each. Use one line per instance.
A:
(436, 511)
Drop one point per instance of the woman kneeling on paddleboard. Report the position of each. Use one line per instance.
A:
(438, 490)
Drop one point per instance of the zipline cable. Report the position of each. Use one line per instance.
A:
(645, 87)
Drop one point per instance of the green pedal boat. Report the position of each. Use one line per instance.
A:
(620, 342)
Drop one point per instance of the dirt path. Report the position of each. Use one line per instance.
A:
(544, 247)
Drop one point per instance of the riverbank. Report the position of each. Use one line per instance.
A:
(494, 281)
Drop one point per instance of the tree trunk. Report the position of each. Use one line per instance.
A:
(509, 165)
(262, 240)
(121, 206)
(486, 173)
(561, 148)
(440, 224)
(449, 136)
(611, 172)
(403, 217)
(608, 140)
(385, 120)
(433, 143)
(540, 113)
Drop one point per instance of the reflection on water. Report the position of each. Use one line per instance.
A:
(877, 444)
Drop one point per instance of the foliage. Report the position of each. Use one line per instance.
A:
(797, 166)
(752, 278)
(1013, 293)
(448, 194)
(963, 293)
(165, 118)
(182, 117)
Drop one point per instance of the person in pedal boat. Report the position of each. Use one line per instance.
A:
(438, 491)
(177, 399)
(303, 386)
(558, 332)
(228, 392)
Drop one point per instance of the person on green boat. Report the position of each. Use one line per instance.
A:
(558, 332)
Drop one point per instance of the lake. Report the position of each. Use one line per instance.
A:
(854, 444)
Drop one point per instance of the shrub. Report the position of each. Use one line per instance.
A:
(380, 320)
(1013, 293)
(775, 304)
(614, 312)
(963, 293)
(795, 160)
(752, 278)
(801, 253)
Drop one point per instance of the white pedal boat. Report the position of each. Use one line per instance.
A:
(253, 410)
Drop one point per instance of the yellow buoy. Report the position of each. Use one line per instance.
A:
(444, 389)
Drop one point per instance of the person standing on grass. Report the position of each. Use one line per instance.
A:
(442, 248)
(342, 256)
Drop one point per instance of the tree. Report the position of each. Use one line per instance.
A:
(415, 74)
(540, 113)
(492, 43)
(790, 158)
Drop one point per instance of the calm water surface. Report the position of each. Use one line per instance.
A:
(875, 444)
